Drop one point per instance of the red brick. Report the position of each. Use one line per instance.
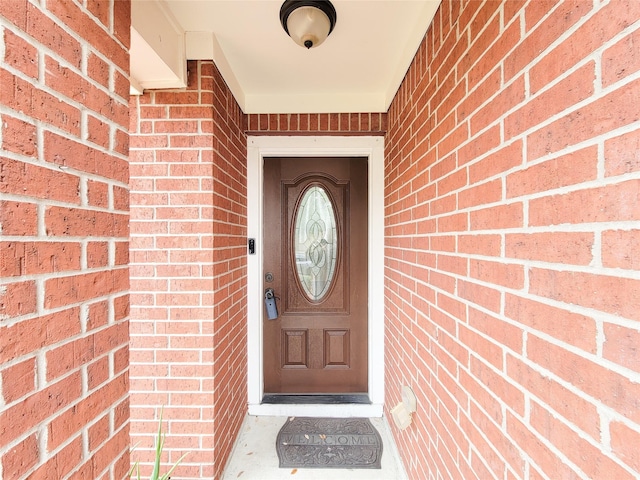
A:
(622, 154)
(15, 13)
(497, 438)
(480, 145)
(98, 131)
(617, 295)
(98, 372)
(121, 22)
(600, 28)
(624, 442)
(504, 159)
(578, 86)
(121, 362)
(453, 140)
(613, 389)
(97, 254)
(508, 275)
(622, 345)
(18, 137)
(30, 335)
(587, 457)
(586, 122)
(620, 60)
(78, 288)
(610, 203)
(22, 96)
(488, 192)
(497, 217)
(25, 415)
(121, 142)
(17, 299)
(489, 55)
(456, 222)
(481, 347)
(21, 458)
(67, 152)
(35, 181)
(182, 98)
(100, 10)
(535, 12)
(76, 222)
(542, 456)
(545, 33)
(479, 95)
(98, 315)
(68, 458)
(98, 194)
(64, 143)
(573, 248)
(73, 85)
(573, 168)
(64, 425)
(122, 254)
(70, 356)
(498, 330)
(71, 15)
(618, 247)
(27, 258)
(111, 338)
(51, 35)
(18, 380)
(573, 328)
(498, 385)
(488, 245)
(480, 295)
(505, 100)
(575, 408)
(121, 85)
(98, 433)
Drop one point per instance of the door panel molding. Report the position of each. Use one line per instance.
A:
(324, 146)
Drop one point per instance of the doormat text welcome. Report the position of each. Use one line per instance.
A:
(329, 443)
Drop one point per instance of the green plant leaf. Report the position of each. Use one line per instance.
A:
(166, 475)
(159, 446)
(155, 474)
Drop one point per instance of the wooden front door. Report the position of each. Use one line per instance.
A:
(315, 260)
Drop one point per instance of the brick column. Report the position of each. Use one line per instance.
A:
(188, 271)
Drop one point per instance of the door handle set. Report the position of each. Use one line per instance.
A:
(270, 302)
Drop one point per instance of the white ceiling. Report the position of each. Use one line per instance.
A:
(357, 69)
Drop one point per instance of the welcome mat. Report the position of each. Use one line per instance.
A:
(305, 442)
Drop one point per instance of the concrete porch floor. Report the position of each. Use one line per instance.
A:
(254, 456)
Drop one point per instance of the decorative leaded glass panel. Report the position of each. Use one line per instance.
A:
(315, 242)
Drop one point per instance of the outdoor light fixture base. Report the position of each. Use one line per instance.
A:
(306, 31)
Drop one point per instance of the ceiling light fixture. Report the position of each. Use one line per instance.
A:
(308, 22)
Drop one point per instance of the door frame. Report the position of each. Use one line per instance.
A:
(371, 147)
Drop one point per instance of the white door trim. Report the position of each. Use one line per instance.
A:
(323, 146)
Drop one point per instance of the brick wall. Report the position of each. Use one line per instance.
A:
(188, 269)
(230, 269)
(64, 217)
(512, 232)
(317, 123)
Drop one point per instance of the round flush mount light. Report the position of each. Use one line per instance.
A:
(308, 22)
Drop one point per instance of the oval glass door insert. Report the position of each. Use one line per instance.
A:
(315, 242)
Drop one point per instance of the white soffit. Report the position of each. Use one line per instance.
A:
(357, 69)
(157, 49)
